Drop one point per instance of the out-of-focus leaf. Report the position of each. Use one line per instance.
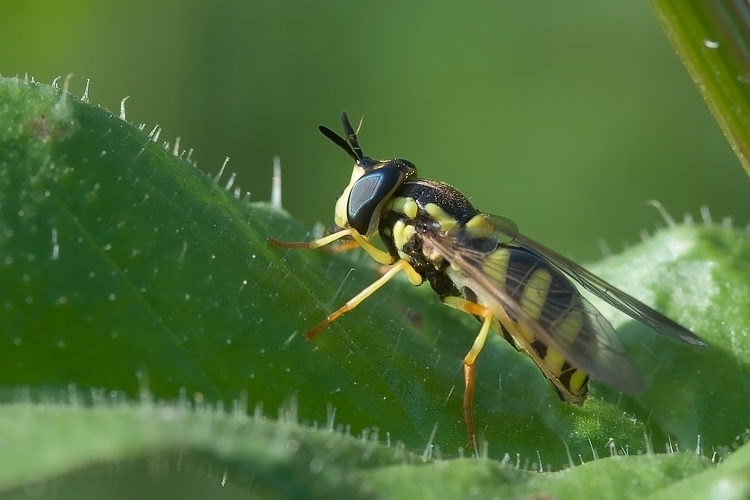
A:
(224, 456)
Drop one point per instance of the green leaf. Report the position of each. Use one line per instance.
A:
(193, 454)
(127, 273)
(713, 42)
(698, 276)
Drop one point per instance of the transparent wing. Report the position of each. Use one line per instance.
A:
(594, 348)
(503, 225)
(600, 288)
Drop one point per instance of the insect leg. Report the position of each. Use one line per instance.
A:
(376, 253)
(469, 369)
(401, 265)
(344, 247)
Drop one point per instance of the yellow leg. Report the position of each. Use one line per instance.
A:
(469, 368)
(376, 253)
(401, 265)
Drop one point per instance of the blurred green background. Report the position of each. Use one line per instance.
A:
(565, 117)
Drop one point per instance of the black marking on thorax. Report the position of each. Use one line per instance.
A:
(450, 199)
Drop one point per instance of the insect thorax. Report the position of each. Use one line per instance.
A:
(423, 205)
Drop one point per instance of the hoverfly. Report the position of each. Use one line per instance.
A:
(481, 264)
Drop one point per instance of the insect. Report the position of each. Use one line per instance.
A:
(482, 265)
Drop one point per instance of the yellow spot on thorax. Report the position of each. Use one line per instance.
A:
(402, 233)
(441, 217)
(480, 221)
(406, 206)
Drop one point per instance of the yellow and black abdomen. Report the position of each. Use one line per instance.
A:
(550, 299)
(546, 295)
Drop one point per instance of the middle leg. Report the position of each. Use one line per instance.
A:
(470, 358)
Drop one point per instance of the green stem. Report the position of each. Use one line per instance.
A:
(712, 37)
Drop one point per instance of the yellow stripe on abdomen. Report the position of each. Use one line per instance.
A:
(496, 265)
(569, 327)
(577, 381)
(566, 330)
(564, 322)
(533, 297)
(535, 291)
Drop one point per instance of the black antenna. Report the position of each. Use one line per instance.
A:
(351, 135)
(350, 144)
(339, 141)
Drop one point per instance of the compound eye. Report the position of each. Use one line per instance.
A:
(369, 194)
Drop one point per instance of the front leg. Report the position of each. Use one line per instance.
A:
(374, 252)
